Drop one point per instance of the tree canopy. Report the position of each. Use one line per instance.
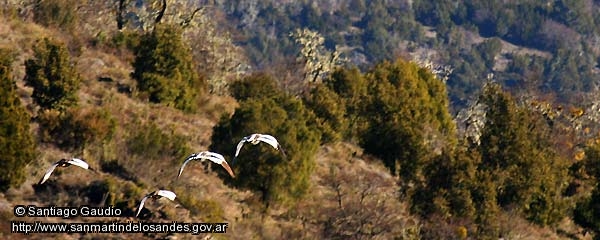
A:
(406, 110)
(54, 78)
(279, 178)
(163, 68)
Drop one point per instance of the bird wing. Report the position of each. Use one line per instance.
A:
(166, 193)
(269, 139)
(193, 156)
(240, 145)
(141, 205)
(48, 172)
(183, 165)
(226, 166)
(273, 142)
(216, 158)
(80, 163)
(214, 154)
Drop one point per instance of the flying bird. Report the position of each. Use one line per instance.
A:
(257, 138)
(206, 155)
(65, 163)
(156, 195)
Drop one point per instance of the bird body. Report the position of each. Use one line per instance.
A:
(257, 138)
(206, 155)
(65, 163)
(156, 195)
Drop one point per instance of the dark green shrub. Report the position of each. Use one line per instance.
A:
(330, 111)
(258, 85)
(260, 167)
(407, 117)
(587, 210)
(163, 69)
(587, 213)
(351, 86)
(517, 153)
(53, 77)
(17, 147)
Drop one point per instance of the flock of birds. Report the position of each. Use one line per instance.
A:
(201, 156)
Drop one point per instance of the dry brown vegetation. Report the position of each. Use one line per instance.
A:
(202, 195)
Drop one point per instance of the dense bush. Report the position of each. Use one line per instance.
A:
(515, 168)
(330, 111)
(280, 179)
(407, 115)
(17, 147)
(450, 181)
(587, 211)
(517, 153)
(259, 85)
(54, 79)
(351, 86)
(163, 69)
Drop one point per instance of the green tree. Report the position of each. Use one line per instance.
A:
(258, 85)
(407, 116)
(54, 79)
(450, 182)
(330, 111)
(517, 153)
(280, 179)
(587, 211)
(17, 147)
(163, 68)
(351, 86)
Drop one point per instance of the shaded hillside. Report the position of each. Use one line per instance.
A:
(371, 31)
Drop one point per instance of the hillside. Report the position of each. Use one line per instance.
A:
(380, 141)
(550, 39)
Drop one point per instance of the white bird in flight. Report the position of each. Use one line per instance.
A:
(156, 195)
(65, 163)
(255, 139)
(212, 156)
